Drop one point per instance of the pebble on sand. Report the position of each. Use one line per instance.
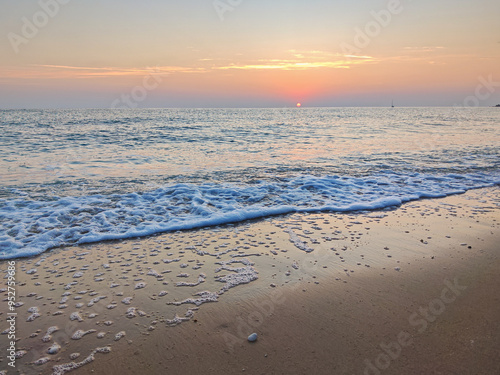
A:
(252, 337)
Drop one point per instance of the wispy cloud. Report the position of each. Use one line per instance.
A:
(66, 71)
(288, 65)
(424, 49)
(303, 60)
(297, 60)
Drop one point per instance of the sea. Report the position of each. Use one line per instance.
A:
(83, 176)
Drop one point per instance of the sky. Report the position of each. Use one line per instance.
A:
(248, 53)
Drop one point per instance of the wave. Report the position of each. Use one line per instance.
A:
(29, 227)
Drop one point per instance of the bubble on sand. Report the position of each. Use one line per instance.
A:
(176, 320)
(201, 279)
(35, 314)
(119, 335)
(242, 275)
(101, 335)
(67, 367)
(131, 312)
(140, 285)
(297, 241)
(153, 272)
(20, 354)
(75, 316)
(41, 361)
(95, 300)
(70, 285)
(73, 356)
(50, 331)
(205, 297)
(80, 333)
(127, 300)
(104, 349)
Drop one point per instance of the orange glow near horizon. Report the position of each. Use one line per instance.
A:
(182, 55)
(299, 105)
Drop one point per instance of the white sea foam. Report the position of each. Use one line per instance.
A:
(34, 218)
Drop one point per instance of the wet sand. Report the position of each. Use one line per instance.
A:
(409, 290)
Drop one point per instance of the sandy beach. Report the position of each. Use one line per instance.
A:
(406, 290)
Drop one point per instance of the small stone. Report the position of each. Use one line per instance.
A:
(252, 337)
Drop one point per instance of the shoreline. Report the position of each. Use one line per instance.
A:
(329, 309)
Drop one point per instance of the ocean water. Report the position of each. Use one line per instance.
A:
(80, 176)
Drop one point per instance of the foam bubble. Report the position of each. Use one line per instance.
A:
(80, 333)
(93, 218)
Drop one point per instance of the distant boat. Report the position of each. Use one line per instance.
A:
(392, 104)
(498, 105)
